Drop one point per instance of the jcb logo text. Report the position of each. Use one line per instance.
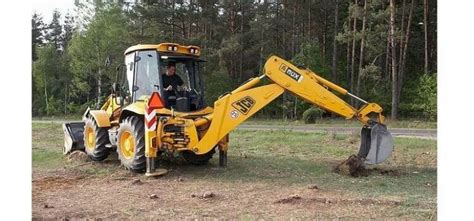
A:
(244, 105)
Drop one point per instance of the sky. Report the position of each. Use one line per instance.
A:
(46, 8)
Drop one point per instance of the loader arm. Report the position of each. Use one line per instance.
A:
(233, 108)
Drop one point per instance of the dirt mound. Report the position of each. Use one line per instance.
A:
(204, 195)
(289, 199)
(353, 166)
(78, 155)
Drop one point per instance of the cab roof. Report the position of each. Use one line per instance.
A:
(171, 48)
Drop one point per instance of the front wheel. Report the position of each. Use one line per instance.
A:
(95, 139)
(131, 144)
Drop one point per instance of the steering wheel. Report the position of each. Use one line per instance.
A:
(177, 93)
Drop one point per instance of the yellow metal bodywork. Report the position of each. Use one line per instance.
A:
(163, 47)
(110, 105)
(101, 117)
(237, 106)
(226, 117)
(200, 131)
(139, 108)
(307, 87)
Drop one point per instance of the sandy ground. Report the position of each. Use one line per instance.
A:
(71, 193)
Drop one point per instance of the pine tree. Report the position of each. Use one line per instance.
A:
(37, 37)
(55, 30)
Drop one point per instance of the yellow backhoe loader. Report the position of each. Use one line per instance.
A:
(143, 118)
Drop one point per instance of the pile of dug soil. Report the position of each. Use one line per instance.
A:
(78, 155)
(353, 166)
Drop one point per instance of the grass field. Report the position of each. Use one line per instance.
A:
(339, 122)
(326, 122)
(263, 167)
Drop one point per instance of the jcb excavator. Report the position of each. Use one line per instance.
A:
(141, 119)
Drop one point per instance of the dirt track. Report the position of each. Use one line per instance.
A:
(396, 132)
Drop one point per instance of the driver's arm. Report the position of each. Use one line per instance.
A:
(181, 85)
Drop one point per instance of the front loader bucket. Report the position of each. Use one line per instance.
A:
(376, 144)
(73, 136)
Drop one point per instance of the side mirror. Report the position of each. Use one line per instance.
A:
(117, 93)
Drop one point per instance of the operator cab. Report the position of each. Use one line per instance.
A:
(147, 71)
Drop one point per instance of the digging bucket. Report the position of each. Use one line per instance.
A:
(73, 137)
(376, 143)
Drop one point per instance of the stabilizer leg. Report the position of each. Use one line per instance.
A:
(222, 158)
(151, 170)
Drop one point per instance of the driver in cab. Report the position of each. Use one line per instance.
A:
(171, 81)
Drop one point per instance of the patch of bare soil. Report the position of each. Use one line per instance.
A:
(66, 194)
(46, 183)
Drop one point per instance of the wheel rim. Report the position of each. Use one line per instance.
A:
(127, 145)
(90, 138)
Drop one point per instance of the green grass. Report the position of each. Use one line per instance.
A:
(338, 122)
(70, 117)
(289, 159)
(47, 145)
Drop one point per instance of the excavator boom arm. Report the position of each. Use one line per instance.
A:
(233, 108)
(314, 89)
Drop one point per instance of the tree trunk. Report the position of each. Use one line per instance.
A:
(99, 88)
(387, 59)
(46, 93)
(405, 47)
(324, 35)
(334, 45)
(172, 21)
(362, 45)
(394, 112)
(354, 30)
(293, 31)
(309, 20)
(65, 99)
(241, 42)
(402, 30)
(348, 55)
(425, 24)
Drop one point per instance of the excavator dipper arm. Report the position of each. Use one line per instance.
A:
(233, 108)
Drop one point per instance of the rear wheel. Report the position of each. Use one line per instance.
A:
(131, 144)
(195, 159)
(95, 139)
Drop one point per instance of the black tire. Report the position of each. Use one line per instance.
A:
(132, 126)
(197, 160)
(99, 137)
